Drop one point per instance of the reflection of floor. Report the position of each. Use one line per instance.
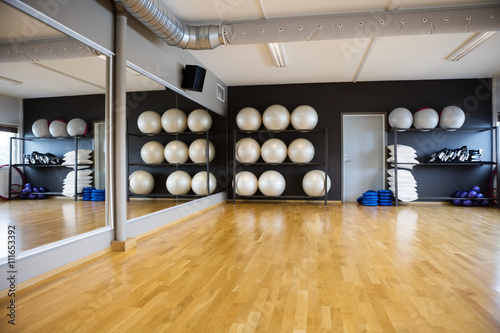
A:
(40, 222)
(283, 267)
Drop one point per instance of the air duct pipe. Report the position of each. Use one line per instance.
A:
(154, 15)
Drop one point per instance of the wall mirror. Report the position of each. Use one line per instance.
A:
(45, 74)
(170, 155)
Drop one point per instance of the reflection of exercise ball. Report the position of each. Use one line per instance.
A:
(452, 117)
(176, 152)
(313, 183)
(179, 183)
(276, 118)
(301, 151)
(152, 152)
(141, 182)
(58, 128)
(246, 183)
(247, 150)
(272, 183)
(149, 122)
(199, 183)
(173, 121)
(425, 118)
(199, 120)
(273, 151)
(400, 118)
(40, 128)
(198, 151)
(304, 117)
(248, 119)
(77, 126)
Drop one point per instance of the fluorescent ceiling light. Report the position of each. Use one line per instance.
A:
(470, 45)
(277, 53)
(10, 81)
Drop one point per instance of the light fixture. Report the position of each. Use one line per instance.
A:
(469, 45)
(277, 53)
(10, 81)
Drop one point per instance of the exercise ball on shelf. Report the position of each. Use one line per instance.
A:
(141, 182)
(174, 121)
(313, 183)
(276, 118)
(152, 152)
(452, 117)
(247, 150)
(179, 183)
(272, 183)
(149, 122)
(301, 151)
(77, 126)
(400, 118)
(199, 120)
(198, 151)
(199, 183)
(248, 119)
(425, 119)
(246, 183)
(58, 128)
(176, 152)
(40, 128)
(274, 151)
(304, 117)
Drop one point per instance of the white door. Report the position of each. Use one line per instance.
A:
(363, 151)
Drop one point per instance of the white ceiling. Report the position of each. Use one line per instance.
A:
(390, 58)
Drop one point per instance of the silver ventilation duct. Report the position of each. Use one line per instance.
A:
(154, 15)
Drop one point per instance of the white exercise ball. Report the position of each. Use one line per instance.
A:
(40, 128)
(248, 119)
(149, 122)
(313, 183)
(77, 126)
(304, 117)
(199, 120)
(199, 183)
(247, 150)
(425, 119)
(400, 118)
(141, 182)
(176, 152)
(174, 121)
(152, 152)
(273, 151)
(301, 151)
(179, 183)
(272, 183)
(452, 117)
(276, 118)
(246, 183)
(198, 151)
(58, 128)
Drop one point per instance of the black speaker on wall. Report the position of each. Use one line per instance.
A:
(194, 77)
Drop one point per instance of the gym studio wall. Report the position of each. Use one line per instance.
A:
(330, 100)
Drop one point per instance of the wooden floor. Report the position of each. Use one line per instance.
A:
(286, 267)
(40, 222)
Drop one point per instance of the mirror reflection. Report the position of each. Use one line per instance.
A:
(52, 92)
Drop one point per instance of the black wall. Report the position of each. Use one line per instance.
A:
(90, 108)
(332, 99)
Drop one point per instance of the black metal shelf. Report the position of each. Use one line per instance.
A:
(426, 130)
(448, 163)
(280, 164)
(49, 165)
(168, 164)
(167, 134)
(282, 131)
(260, 196)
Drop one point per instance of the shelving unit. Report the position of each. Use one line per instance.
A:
(495, 154)
(27, 165)
(167, 165)
(241, 134)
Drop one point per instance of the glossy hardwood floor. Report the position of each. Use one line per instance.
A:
(286, 267)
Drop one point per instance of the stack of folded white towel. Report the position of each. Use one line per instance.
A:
(84, 177)
(407, 185)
